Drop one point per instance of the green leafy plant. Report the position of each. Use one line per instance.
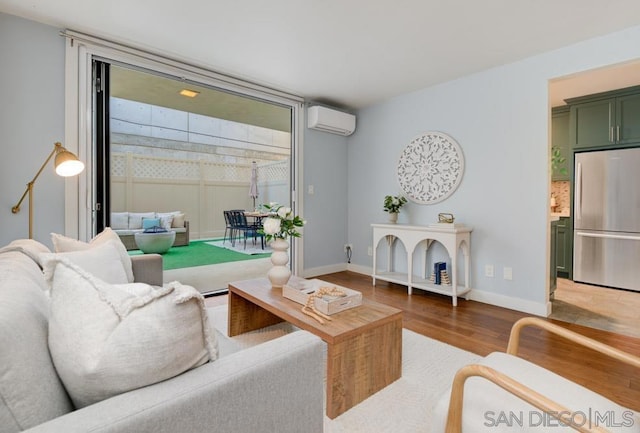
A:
(557, 161)
(281, 224)
(393, 204)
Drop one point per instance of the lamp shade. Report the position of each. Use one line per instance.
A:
(67, 164)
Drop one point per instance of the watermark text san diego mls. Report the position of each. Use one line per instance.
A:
(533, 418)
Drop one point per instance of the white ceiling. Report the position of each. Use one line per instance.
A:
(350, 53)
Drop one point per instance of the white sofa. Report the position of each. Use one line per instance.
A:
(127, 224)
(276, 386)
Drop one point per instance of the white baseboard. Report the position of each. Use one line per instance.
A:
(321, 270)
(511, 303)
(365, 270)
(496, 299)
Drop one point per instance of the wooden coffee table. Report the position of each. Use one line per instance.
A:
(364, 343)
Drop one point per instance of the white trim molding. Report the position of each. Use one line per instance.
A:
(523, 305)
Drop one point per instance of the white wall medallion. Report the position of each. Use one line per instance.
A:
(430, 168)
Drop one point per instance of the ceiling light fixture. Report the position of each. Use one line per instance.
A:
(189, 93)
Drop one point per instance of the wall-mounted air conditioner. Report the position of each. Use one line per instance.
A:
(328, 120)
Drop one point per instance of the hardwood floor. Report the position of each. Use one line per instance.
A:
(483, 328)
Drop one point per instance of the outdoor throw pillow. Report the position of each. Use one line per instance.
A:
(175, 219)
(63, 244)
(148, 223)
(178, 220)
(103, 261)
(135, 219)
(120, 220)
(108, 339)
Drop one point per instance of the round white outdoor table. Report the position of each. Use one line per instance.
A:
(155, 242)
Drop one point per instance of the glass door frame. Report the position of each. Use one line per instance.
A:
(81, 51)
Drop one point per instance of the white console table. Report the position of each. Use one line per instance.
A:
(452, 237)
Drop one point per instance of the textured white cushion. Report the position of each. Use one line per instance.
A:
(177, 218)
(119, 220)
(102, 261)
(63, 244)
(31, 248)
(165, 221)
(135, 219)
(30, 390)
(108, 339)
(489, 408)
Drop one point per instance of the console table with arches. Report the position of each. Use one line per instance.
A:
(452, 237)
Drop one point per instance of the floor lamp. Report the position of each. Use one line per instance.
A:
(66, 164)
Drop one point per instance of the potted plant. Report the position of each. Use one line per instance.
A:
(392, 205)
(280, 225)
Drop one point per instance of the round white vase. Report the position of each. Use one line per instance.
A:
(393, 217)
(280, 273)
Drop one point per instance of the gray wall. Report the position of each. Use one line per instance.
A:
(31, 120)
(325, 168)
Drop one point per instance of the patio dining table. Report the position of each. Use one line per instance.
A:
(257, 216)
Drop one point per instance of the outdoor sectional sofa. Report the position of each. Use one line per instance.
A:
(127, 224)
(275, 386)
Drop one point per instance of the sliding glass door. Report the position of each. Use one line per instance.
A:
(164, 144)
(150, 147)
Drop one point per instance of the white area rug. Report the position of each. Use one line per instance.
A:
(251, 249)
(405, 406)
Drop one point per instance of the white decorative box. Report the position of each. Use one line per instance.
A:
(298, 290)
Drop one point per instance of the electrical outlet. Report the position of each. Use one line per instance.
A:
(348, 247)
(370, 251)
(488, 271)
(507, 273)
(311, 190)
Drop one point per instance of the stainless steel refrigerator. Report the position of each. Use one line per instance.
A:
(606, 216)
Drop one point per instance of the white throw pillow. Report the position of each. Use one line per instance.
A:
(108, 339)
(177, 218)
(102, 261)
(29, 247)
(165, 221)
(62, 244)
(120, 220)
(135, 219)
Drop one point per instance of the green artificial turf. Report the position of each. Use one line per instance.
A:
(198, 253)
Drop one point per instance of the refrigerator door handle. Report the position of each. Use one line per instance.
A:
(608, 236)
(578, 198)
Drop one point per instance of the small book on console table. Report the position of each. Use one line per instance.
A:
(299, 290)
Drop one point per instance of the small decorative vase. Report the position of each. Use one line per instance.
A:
(393, 217)
(280, 273)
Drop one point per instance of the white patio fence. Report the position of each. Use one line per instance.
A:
(201, 189)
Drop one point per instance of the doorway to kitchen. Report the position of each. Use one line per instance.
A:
(589, 305)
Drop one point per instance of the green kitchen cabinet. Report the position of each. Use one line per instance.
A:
(605, 119)
(561, 157)
(628, 119)
(564, 248)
